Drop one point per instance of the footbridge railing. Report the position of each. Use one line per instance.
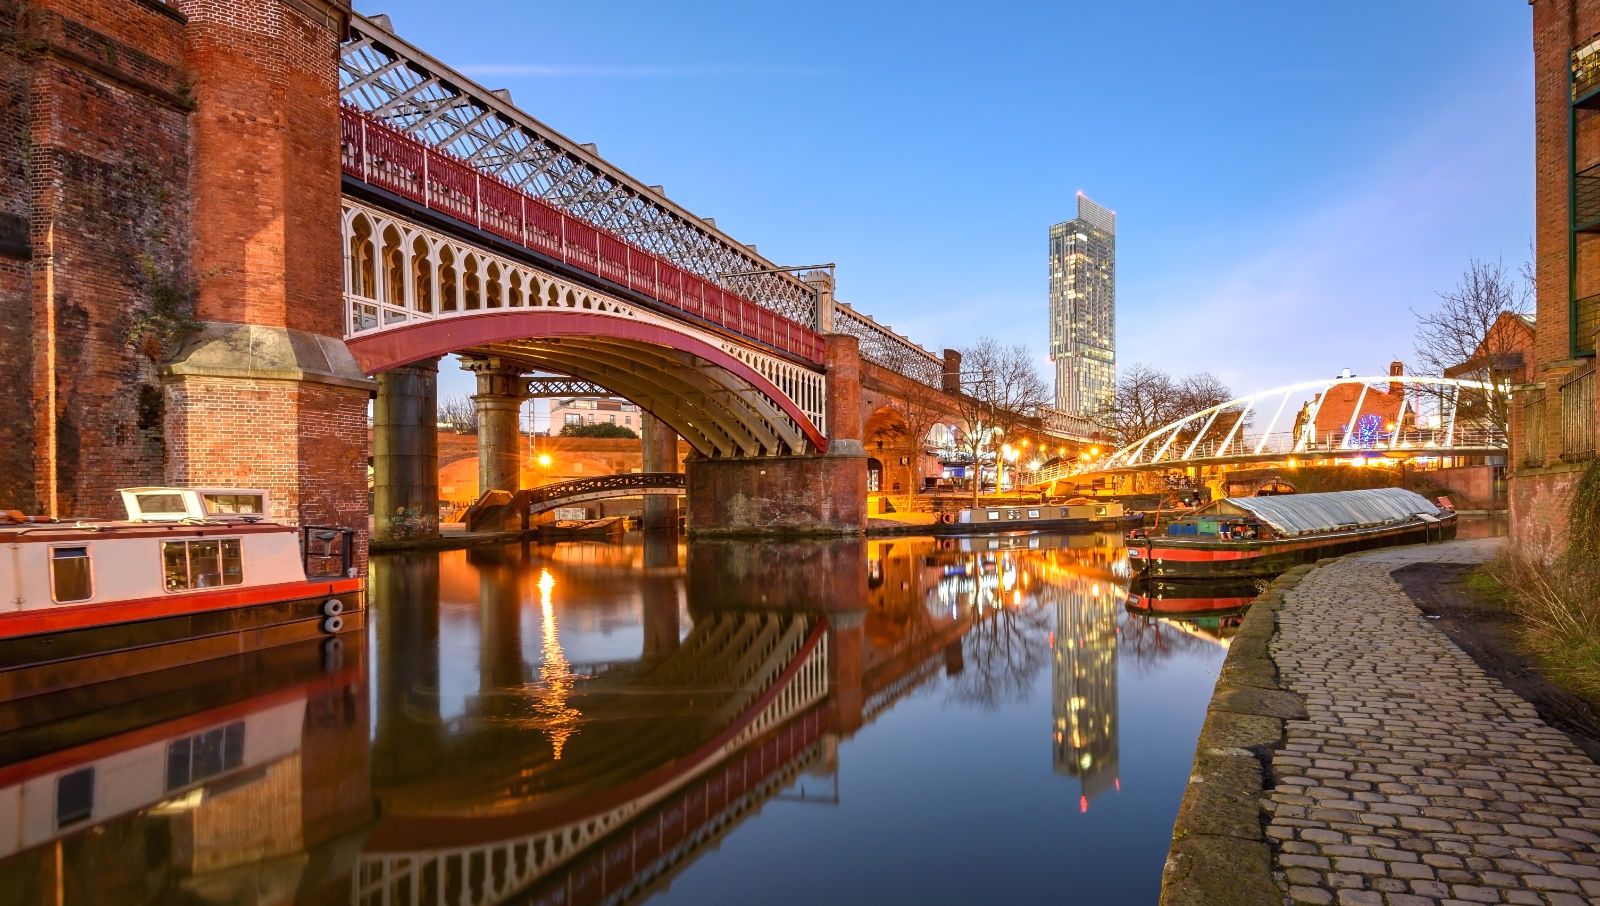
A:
(1396, 415)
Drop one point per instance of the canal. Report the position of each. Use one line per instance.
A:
(930, 720)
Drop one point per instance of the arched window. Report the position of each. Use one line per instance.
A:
(516, 289)
(449, 291)
(492, 286)
(359, 264)
(471, 282)
(394, 268)
(421, 276)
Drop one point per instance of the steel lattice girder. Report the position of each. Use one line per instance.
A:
(405, 87)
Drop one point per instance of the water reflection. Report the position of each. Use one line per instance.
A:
(603, 722)
(241, 781)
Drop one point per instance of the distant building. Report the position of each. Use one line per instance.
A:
(1083, 309)
(592, 410)
(1504, 355)
(1368, 414)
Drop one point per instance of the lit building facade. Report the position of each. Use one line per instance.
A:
(1083, 309)
(592, 410)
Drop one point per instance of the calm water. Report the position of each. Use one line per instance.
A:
(935, 721)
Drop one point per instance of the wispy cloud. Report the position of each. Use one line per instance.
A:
(639, 70)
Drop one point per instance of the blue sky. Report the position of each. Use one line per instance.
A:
(1290, 179)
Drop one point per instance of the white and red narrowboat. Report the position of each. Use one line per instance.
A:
(1258, 537)
(191, 574)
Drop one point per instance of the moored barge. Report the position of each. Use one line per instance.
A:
(191, 574)
(1247, 537)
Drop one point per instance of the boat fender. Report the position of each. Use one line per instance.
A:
(947, 518)
(332, 624)
(332, 607)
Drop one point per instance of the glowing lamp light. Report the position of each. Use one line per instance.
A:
(1083, 805)
(1094, 451)
(544, 460)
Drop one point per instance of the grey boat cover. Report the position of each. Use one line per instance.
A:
(1306, 514)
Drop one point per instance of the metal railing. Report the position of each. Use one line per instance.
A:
(882, 346)
(1586, 67)
(1586, 198)
(328, 552)
(1533, 429)
(1585, 324)
(1577, 415)
(604, 484)
(391, 160)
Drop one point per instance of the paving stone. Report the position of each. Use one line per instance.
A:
(1403, 774)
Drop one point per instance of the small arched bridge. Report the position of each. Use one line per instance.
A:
(1401, 416)
(496, 507)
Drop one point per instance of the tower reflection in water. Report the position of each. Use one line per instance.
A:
(568, 724)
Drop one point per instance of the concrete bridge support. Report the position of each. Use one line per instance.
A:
(501, 391)
(405, 453)
(660, 455)
(800, 495)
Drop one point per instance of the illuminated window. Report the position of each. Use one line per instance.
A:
(188, 565)
(70, 576)
(234, 504)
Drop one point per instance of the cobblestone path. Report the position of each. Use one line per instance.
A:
(1417, 778)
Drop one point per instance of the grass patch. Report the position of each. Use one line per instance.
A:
(1554, 611)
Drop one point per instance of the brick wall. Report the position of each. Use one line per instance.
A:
(95, 167)
(1540, 488)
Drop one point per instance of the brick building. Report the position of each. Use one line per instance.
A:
(170, 265)
(593, 410)
(1553, 415)
(1354, 407)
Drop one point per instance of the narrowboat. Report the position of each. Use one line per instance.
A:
(191, 574)
(1080, 514)
(1161, 598)
(1248, 537)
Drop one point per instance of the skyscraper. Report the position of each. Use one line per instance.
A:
(1083, 309)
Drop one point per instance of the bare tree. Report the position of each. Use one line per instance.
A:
(1148, 398)
(459, 414)
(1000, 390)
(1463, 336)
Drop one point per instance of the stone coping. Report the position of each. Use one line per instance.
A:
(1220, 854)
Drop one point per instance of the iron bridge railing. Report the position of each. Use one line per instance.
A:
(629, 481)
(389, 159)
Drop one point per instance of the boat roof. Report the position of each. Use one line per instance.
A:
(1301, 514)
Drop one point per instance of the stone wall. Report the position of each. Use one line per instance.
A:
(817, 495)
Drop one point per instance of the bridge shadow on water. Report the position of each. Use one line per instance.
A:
(577, 723)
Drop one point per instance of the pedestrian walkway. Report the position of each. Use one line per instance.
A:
(1416, 778)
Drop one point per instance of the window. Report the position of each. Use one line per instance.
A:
(74, 797)
(612, 419)
(234, 504)
(162, 504)
(70, 578)
(197, 758)
(201, 564)
(574, 418)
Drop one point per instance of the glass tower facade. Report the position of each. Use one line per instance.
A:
(1083, 309)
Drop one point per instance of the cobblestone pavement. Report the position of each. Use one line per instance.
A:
(1417, 778)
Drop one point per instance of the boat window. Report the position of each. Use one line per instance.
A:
(70, 578)
(202, 563)
(200, 757)
(234, 505)
(168, 503)
(74, 797)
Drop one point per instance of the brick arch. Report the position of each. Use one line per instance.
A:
(718, 403)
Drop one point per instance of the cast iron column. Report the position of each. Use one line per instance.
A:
(501, 390)
(660, 455)
(405, 453)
